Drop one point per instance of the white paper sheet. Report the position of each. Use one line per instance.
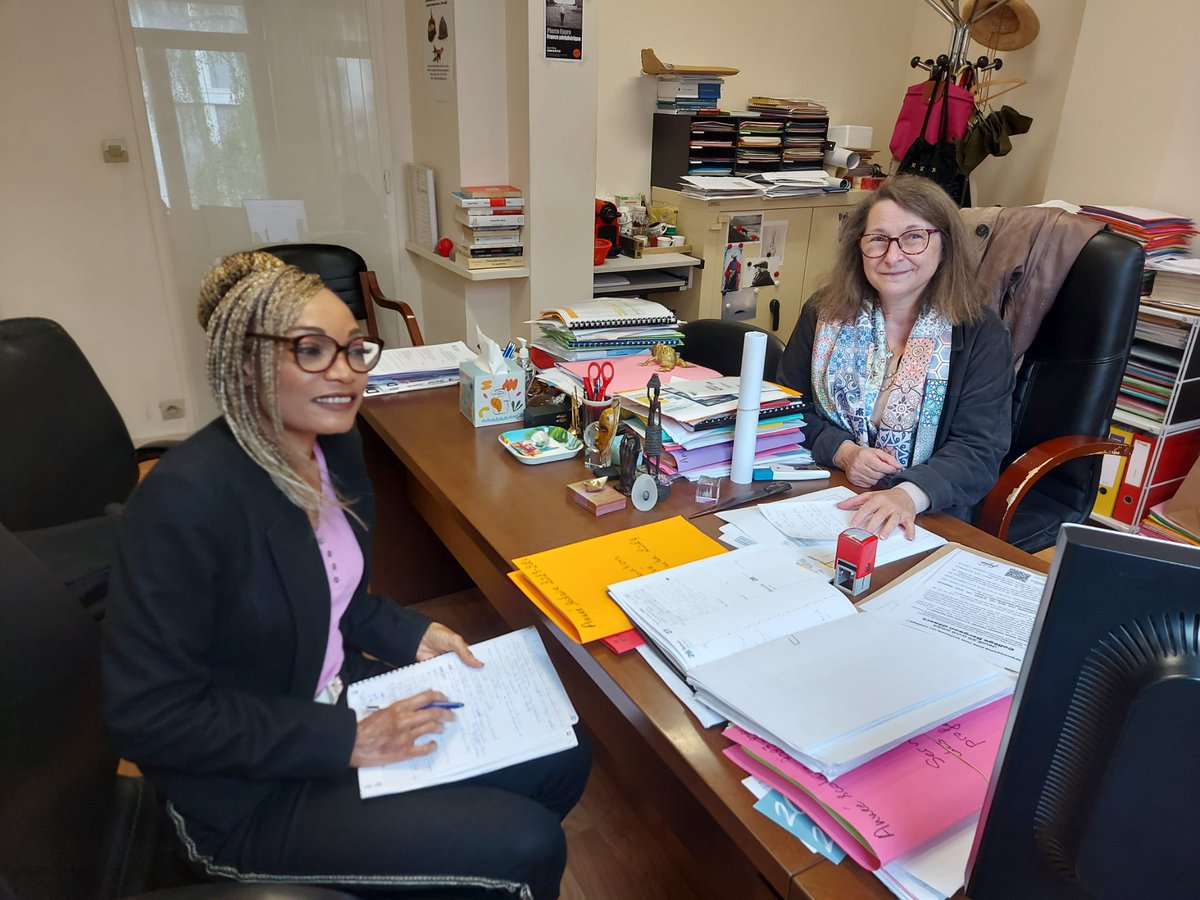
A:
(983, 605)
(515, 710)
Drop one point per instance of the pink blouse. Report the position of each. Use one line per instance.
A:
(343, 559)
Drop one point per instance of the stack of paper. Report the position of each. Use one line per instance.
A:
(1176, 283)
(848, 710)
(718, 187)
(415, 368)
(708, 609)
(604, 326)
(897, 802)
(785, 522)
(710, 453)
(1160, 233)
(514, 709)
(712, 403)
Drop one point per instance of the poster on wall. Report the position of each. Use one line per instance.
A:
(564, 29)
(438, 28)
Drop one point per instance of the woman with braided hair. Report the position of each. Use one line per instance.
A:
(239, 609)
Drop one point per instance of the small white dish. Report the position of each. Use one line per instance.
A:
(528, 446)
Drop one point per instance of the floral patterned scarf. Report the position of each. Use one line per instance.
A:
(849, 364)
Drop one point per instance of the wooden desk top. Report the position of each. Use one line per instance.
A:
(489, 509)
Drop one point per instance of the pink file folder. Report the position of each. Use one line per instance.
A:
(898, 801)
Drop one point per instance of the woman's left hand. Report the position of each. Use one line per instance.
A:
(439, 639)
(882, 511)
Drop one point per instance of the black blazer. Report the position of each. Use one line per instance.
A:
(976, 425)
(217, 623)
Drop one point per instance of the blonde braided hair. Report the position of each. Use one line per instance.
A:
(255, 292)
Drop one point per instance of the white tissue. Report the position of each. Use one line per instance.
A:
(491, 357)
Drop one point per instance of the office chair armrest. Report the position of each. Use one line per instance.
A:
(1014, 483)
(373, 293)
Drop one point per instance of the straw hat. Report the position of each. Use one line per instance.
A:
(1010, 27)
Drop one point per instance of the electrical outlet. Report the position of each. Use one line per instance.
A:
(171, 409)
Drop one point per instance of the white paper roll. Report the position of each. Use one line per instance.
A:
(745, 431)
(842, 158)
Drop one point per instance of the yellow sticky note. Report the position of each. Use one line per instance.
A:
(570, 584)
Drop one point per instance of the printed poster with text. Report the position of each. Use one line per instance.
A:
(439, 55)
(564, 29)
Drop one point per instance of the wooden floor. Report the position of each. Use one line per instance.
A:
(613, 853)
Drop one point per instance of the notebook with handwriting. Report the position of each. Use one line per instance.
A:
(514, 709)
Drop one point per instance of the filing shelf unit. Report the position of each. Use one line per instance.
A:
(1181, 415)
(651, 272)
(809, 252)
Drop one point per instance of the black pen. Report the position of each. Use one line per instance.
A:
(770, 490)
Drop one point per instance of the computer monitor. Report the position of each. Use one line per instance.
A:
(1097, 782)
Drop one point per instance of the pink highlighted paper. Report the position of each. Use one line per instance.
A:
(897, 801)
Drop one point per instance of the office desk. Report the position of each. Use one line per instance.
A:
(454, 508)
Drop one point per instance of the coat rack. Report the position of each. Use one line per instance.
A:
(960, 38)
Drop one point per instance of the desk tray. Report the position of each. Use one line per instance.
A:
(517, 443)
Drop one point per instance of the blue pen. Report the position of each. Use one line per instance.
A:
(442, 704)
(508, 350)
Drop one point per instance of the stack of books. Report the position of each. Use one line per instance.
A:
(691, 406)
(491, 216)
(604, 327)
(689, 93)
(1162, 234)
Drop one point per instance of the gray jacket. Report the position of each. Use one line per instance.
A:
(976, 425)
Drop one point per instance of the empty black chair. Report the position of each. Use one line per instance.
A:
(346, 274)
(71, 828)
(717, 344)
(66, 462)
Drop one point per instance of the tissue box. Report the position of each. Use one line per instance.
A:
(856, 136)
(488, 398)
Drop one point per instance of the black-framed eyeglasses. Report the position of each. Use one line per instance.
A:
(316, 353)
(912, 243)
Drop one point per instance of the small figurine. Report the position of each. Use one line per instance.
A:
(576, 425)
(666, 358)
(654, 438)
(631, 446)
(609, 418)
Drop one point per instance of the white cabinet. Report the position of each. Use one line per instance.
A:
(798, 242)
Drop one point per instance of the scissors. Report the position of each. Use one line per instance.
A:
(599, 377)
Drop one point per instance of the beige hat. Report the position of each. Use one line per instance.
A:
(1010, 27)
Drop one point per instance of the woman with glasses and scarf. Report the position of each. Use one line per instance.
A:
(907, 372)
(239, 609)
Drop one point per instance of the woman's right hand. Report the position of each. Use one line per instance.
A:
(390, 735)
(864, 466)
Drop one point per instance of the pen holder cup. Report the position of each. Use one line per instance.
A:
(589, 410)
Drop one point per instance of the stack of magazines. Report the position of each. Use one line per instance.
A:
(604, 327)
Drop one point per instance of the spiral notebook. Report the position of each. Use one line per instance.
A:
(514, 709)
(611, 312)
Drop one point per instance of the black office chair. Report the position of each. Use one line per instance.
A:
(717, 344)
(71, 828)
(346, 274)
(1066, 389)
(66, 462)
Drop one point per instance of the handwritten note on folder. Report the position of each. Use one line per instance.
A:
(897, 801)
(570, 584)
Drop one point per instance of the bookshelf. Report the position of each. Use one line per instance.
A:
(468, 274)
(1160, 402)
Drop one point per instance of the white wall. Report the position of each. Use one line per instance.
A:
(76, 237)
(851, 57)
(76, 242)
(1020, 177)
(1131, 121)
